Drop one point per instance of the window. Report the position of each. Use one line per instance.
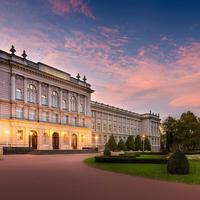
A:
(64, 104)
(32, 114)
(55, 99)
(82, 122)
(74, 121)
(19, 94)
(65, 119)
(44, 116)
(45, 138)
(54, 118)
(105, 139)
(20, 135)
(44, 100)
(82, 102)
(73, 104)
(20, 113)
(32, 93)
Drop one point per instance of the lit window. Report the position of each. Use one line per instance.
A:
(44, 100)
(54, 118)
(32, 114)
(45, 116)
(55, 99)
(32, 93)
(73, 104)
(19, 94)
(20, 135)
(20, 113)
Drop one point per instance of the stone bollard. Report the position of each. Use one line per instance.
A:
(1, 153)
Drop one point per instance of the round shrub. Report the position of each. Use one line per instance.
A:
(107, 151)
(178, 163)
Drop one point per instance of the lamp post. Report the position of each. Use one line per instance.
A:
(7, 134)
(96, 138)
(143, 138)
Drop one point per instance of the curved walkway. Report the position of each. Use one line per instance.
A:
(62, 177)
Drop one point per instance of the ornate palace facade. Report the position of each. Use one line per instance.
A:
(45, 108)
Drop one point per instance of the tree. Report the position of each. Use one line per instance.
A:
(170, 127)
(147, 144)
(112, 145)
(138, 143)
(188, 132)
(121, 146)
(130, 143)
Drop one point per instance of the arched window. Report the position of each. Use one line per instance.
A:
(73, 104)
(45, 138)
(32, 93)
(44, 100)
(64, 104)
(18, 94)
(55, 99)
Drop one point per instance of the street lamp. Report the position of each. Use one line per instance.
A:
(143, 138)
(96, 138)
(7, 134)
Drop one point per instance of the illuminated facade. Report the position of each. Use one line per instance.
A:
(45, 108)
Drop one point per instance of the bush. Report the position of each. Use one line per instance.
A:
(121, 146)
(147, 144)
(123, 159)
(16, 150)
(112, 145)
(178, 163)
(138, 143)
(107, 151)
(130, 143)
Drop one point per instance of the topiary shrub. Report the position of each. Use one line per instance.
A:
(112, 143)
(107, 151)
(130, 143)
(121, 146)
(178, 163)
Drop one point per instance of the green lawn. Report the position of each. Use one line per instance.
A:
(155, 171)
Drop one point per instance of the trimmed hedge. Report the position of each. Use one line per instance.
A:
(16, 150)
(154, 153)
(123, 159)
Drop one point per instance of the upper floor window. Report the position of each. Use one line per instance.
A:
(55, 99)
(65, 119)
(73, 104)
(44, 116)
(19, 113)
(44, 100)
(32, 114)
(19, 94)
(32, 93)
(74, 121)
(64, 104)
(83, 122)
(55, 118)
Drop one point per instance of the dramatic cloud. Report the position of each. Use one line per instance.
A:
(62, 7)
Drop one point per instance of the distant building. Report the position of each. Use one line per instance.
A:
(45, 108)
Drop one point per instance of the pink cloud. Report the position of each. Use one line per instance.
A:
(69, 6)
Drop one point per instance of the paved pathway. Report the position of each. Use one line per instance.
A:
(63, 177)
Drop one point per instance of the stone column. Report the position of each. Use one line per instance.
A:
(13, 87)
(85, 106)
(49, 96)
(78, 103)
(40, 94)
(25, 89)
(61, 98)
(69, 102)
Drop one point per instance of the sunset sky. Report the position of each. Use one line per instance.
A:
(137, 54)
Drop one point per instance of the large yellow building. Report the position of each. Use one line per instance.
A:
(45, 108)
